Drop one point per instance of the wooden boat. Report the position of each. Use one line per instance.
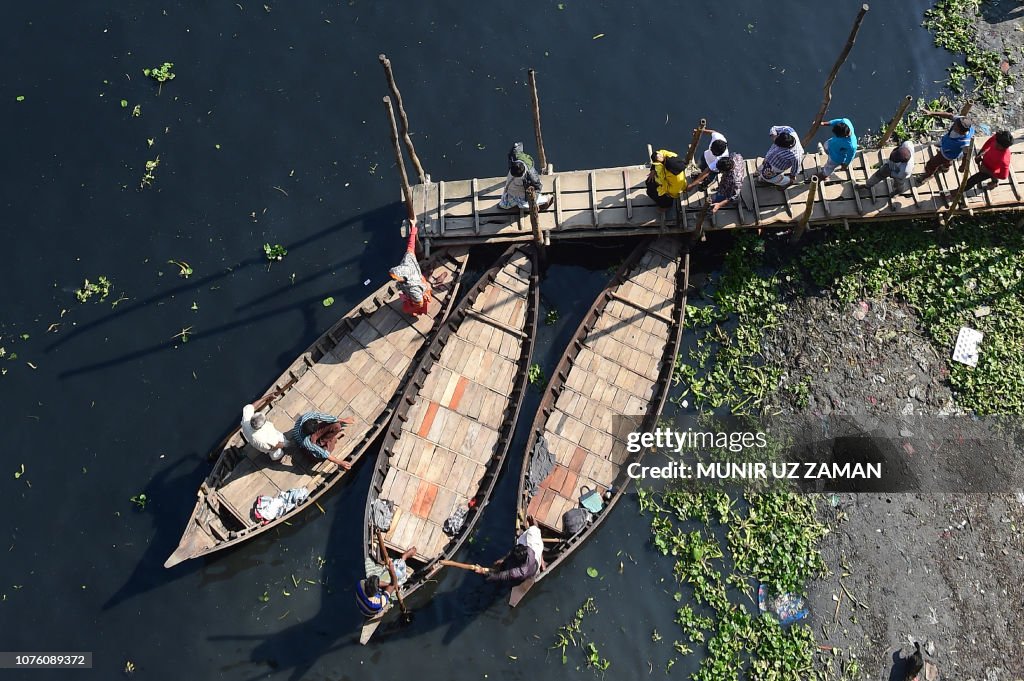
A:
(356, 369)
(447, 441)
(612, 380)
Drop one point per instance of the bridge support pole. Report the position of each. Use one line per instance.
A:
(694, 141)
(889, 129)
(535, 103)
(538, 233)
(827, 99)
(801, 225)
(386, 63)
(946, 219)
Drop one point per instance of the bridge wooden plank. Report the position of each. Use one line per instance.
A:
(476, 206)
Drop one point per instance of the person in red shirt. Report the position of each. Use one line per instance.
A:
(414, 289)
(993, 161)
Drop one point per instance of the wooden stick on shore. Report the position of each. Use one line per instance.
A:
(535, 101)
(827, 99)
(386, 63)
(399, 161)
(889, 129)
(694, 141)
(801, 226)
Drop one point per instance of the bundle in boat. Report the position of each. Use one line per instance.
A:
(447, 441)
(353, 373)
(612, 380)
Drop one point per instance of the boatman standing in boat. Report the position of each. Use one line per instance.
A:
(414, 289)
(524, 561)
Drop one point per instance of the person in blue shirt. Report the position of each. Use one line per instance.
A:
(841, 147)
(951, 146)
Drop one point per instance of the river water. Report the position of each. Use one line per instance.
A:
(273, 131)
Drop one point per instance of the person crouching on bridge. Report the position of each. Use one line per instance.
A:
(951, 146)
(730, 181)
(521, 175)
(993, 161)
(899, 166)
(667, 179)
(413, 288)
(782, 161)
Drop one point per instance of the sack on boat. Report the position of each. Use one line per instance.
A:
(574, 520)
(267, 508)
(383, 512)
(454, 524)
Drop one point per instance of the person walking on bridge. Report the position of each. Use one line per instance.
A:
(899, 166)
(993, 161)
(841, 147)
(782, 161)
(951, 146)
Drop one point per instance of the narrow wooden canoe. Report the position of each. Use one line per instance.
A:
(356, 369)
(613, 379)
(447, 441)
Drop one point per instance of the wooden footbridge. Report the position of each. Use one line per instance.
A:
(613, 202)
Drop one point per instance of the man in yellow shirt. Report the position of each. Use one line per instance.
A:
(667, 179)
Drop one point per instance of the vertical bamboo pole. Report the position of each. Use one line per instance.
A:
(827, 99)
(538, 234)
(535, 101)
(889, 129)
(386, 63)
(801, 226)
(966, 108)
(695, 140)
(946, 219)
(406, 191)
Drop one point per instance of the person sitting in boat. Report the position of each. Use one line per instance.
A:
(374, 593)
(524, 561)
(259, 432)
(522, 174)
(413, 288)
(318, 433)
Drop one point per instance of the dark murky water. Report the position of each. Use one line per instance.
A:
(273, 131)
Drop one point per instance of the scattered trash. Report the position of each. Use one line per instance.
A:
(366, 283)
(861, 310)
(982, 311)
(966, 349)
(787, 608)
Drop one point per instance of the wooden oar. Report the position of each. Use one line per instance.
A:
(461, 566)
(406, 615)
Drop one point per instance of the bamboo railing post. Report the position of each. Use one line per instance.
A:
(386, 63)
(535, 101)
(946, 219)
(827, 99)
(801, 226)
(538, 234)
(694, 141)
(889, 129)
(966, 108)
(406, 191)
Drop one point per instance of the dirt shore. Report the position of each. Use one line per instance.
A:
(1000, 27)
(942, 569)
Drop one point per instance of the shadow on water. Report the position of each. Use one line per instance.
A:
(380, 241)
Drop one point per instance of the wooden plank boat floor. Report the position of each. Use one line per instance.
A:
(439, 459)
(614, 375)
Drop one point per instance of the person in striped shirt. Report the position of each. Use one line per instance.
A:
(782, 161)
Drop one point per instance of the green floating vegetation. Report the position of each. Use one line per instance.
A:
(140, 500)
(571, 634)
(971, 277)
(149, 176)
(772, 538)
(953, 24)
(101, 288)
(275, 252)
(726, 368)
(551, 317)
(536, 376)
(162, 73)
